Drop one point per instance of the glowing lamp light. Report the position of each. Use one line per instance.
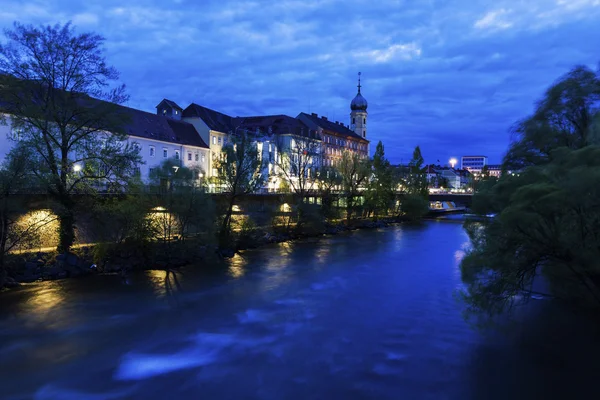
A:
(77, 167)
(453, 162)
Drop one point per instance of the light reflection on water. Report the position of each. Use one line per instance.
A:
(46, 307)
(365, 315)
(237, 265)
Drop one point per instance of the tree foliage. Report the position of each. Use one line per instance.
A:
(381, 188)
(415, 182)
(548, 211)
(61, 99)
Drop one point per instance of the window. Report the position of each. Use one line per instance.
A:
(364, 121)
(177, 154)
(176, 112)
(353, 120)
(196, 157)
(190, 156)
(364, 133)
(164, 111)
(137, 171)
(152, 151)
(203, 158)
(165, 153)
(219, 139)
(214, 140)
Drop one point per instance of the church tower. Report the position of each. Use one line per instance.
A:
(358, 114)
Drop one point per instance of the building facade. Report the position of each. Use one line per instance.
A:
(473, 164)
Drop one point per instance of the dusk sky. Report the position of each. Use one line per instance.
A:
(450, 76)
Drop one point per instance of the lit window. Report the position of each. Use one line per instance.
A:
(203, 158)
(214, 140)
(190, 156)
(177, 154)
(152, 150)
(176, 112)
(165, 153)
(164, 111)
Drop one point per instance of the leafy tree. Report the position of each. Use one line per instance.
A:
(381, 189)
(239, 169)
(548, 213)
(567, 116)
(416, 181)
(413, 207)
(56, 89)
(354, 172)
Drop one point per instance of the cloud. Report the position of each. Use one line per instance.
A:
(497, 19)
(406, 51)
(452, 76)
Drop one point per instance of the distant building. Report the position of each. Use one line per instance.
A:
(495, 170)
(473, 164)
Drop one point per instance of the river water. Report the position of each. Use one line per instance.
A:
(364, 315)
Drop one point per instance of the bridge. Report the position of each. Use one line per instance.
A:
(460, 199)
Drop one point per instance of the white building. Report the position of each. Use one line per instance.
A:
(473, 164)
(158, 136)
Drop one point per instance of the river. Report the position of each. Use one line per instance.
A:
(363, 315)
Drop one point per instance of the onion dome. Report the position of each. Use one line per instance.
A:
(359, 103)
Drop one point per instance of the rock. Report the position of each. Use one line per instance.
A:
(226, 252)
(10, 282)
(52, 273)
(72, 259)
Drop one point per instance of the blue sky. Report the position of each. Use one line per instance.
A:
(451, 76)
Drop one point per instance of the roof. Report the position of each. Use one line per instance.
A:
(215, 120)
(274, 124)
(325, 124)
(151, 126)
(170, 103)
(135, 122)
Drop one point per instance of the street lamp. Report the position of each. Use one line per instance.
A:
(77, 167)
(453, 162)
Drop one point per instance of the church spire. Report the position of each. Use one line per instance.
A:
(359, 83)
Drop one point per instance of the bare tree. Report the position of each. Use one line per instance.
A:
(355, 172)
(17, 231)
(56, 89)
(239, 172)
(298, 161)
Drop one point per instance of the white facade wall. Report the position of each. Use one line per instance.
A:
(5, 132)
(154, 152)
(149, 160)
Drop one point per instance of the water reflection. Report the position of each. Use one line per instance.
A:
(376, 319)
(46, 306)
(237, 266)
(165, 283)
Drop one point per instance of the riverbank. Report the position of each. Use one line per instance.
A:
(126, 257)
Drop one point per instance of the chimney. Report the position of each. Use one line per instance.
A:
(337, 122)
(314, 114)
(324, 118)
